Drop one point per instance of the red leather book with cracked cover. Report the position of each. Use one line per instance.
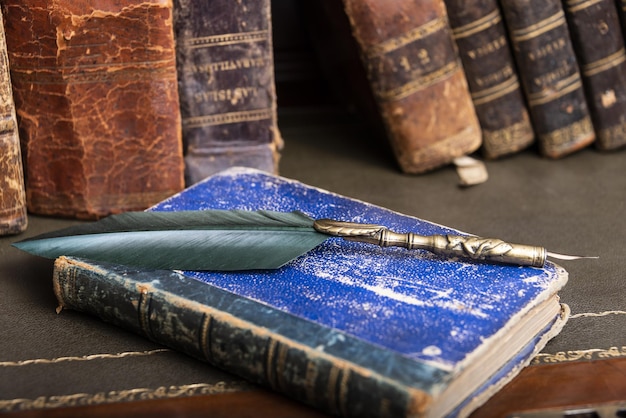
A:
(96, 96)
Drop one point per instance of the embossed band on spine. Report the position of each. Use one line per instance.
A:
(413, 35)
(577, 5)
(88, 74)
(539, 28)
(394, 76)
(143, 312)
(227, 39)
(604, 64)
(502, 89)
(224, 118)
(479, 25)
(567, 85)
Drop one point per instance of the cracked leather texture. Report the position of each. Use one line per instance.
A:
(97, 103)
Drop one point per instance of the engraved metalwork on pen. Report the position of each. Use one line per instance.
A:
(475, 248)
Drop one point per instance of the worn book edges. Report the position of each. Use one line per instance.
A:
(599, 46)
(486, 55)
(350, 328)
(550, 75)
(97, 104)
(226, 84)
(417, 79)
(13, 216)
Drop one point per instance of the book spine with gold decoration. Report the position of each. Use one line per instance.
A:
(13, 216)
(226, 82)
(599, 46)
(97, 104)
(485, 51)
(550, 75)
(417, 79)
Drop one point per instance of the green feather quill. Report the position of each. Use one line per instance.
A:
(187, 240)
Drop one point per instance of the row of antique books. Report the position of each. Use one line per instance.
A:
(119, 105)
(447, 77)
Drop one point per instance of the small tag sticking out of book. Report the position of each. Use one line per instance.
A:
(470, 171)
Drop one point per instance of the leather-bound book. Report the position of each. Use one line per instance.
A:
(550, 75)
(226, 85)
(13, 217)
(417, 79)
(96, 96)
(599, 46)
(486, 54)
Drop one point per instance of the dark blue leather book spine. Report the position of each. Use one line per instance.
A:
(262, 344)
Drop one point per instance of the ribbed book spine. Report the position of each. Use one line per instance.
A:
(550, 75)
(599, 45)
(417, 79)
(485, 51)
(227, 91)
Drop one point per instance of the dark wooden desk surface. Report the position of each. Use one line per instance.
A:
(575, 205)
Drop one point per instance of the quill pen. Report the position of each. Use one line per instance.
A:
(227, 240)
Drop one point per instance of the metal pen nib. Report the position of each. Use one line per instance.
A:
(475, 248)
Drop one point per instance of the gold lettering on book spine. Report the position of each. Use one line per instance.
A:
(410, 55)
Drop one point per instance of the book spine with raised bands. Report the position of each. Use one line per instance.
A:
(599, 46)
(13, 216)
(97, 103)
(417, 79)
(226, 82)
(550, 75)
(486, 54)
(134, 301)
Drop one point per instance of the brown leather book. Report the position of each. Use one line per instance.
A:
(599, 46)
(417, 79)
(13, 217)
(96, 96)
(226, 85)
(550, 75)
(485, 51)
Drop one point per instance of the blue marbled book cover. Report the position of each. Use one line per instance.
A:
(437, 316)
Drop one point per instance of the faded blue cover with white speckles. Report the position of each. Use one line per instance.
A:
(437, 312)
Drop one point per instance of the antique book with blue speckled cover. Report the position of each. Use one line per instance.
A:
(351, 328)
